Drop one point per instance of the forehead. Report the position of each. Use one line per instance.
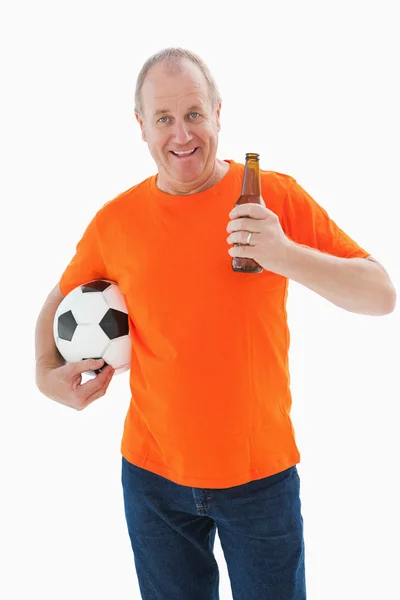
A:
(180, 88)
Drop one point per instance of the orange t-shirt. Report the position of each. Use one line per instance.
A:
(209, 380)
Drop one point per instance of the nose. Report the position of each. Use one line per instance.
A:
(182, 134)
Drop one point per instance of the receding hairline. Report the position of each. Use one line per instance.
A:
(174, 60)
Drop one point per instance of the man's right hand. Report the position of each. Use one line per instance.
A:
(63, 384)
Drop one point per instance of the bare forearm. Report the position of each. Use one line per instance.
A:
(354, 284)
(46, 353)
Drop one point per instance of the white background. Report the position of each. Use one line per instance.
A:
(311, 86)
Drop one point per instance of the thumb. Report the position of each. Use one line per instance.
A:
(89, 364)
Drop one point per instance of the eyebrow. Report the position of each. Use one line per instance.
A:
(164, 111)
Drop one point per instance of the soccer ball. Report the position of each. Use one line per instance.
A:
(92, 322)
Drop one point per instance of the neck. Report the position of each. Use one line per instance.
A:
(184, 189)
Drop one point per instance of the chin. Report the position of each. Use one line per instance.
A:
(188, 176)
(187, 172)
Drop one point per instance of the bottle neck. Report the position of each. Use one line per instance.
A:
(252, 179)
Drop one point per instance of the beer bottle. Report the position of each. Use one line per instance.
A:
(251, 192)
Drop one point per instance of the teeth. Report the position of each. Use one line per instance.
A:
(185, 153)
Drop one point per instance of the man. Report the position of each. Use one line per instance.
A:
(208, 439)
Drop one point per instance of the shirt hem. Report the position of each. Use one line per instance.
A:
(280, 464)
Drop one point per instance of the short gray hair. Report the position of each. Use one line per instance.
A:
(173, 58)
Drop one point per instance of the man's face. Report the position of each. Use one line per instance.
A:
(179, 117)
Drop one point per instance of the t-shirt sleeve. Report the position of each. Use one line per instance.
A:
(305, 222)
(87, 263)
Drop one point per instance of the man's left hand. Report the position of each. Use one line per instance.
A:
(268, 244)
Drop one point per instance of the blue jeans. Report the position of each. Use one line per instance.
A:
(172, 530)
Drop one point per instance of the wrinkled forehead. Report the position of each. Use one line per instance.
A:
(178, 90)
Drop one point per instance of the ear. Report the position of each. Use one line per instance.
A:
(218, 116)
(141, 123)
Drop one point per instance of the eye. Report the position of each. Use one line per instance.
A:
(196, 114)
(161, 119)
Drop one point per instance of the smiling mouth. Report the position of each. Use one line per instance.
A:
(183, 154)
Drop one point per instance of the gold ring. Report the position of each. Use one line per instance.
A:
(249, 238)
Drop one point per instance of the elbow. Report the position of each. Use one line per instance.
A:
(388, 301)
(392, 299)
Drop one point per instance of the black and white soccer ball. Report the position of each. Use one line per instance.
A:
(92, 322)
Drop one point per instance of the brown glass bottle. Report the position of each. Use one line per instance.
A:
(251, 192)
